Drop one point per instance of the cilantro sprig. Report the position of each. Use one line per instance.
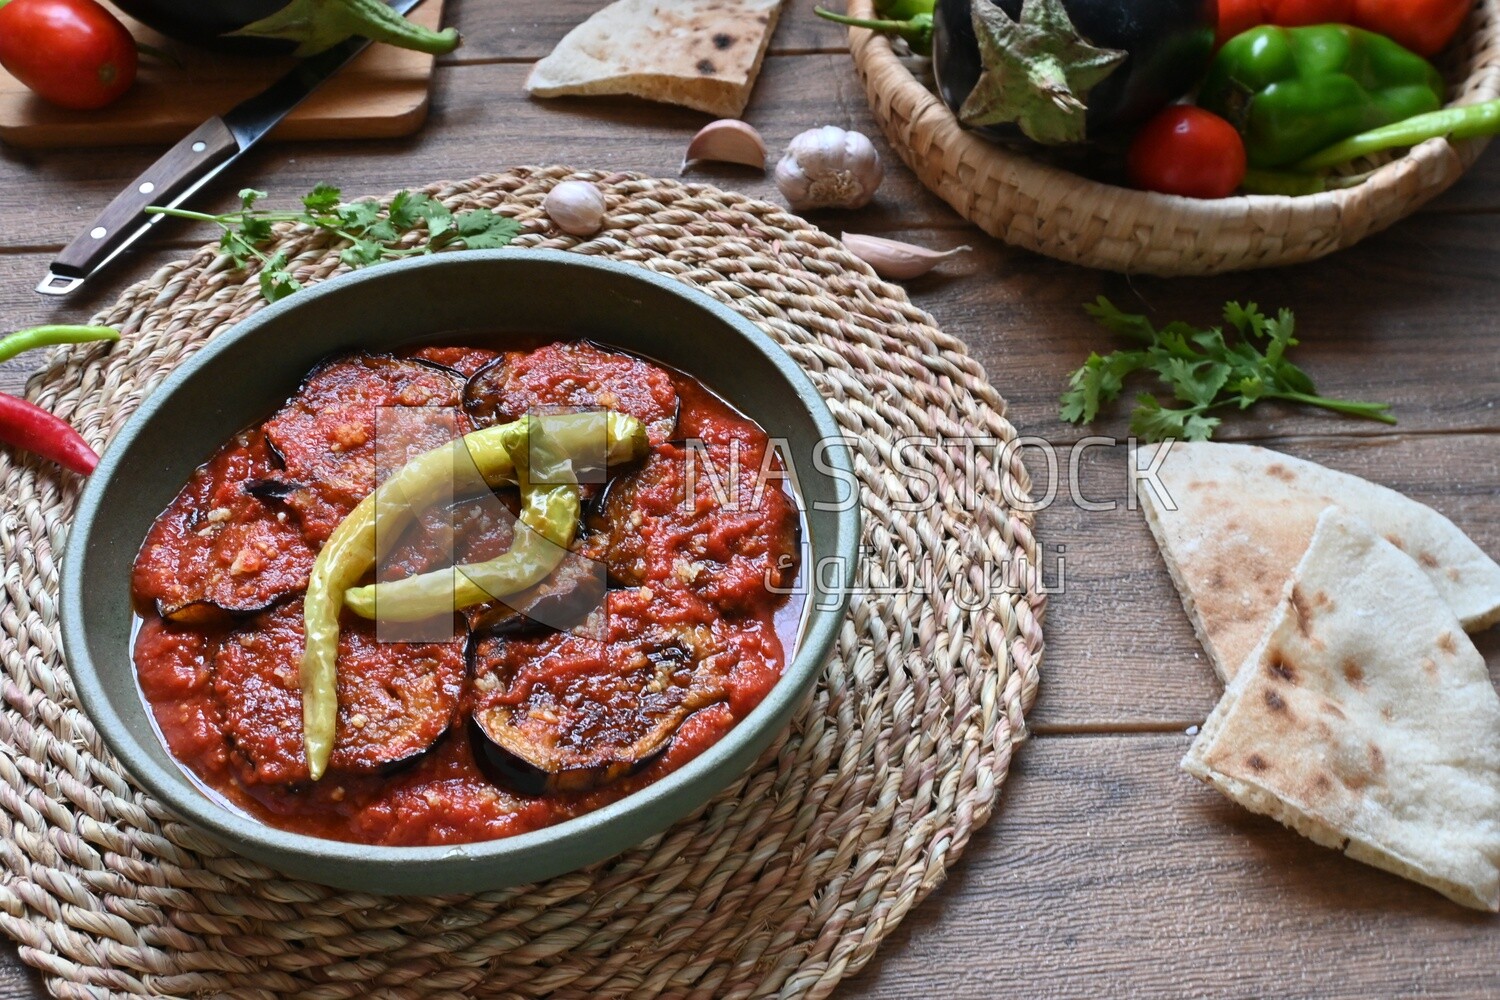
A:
(1205, 371)
(373, 232)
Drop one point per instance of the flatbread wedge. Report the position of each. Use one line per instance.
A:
(1366, 720)
(1243, 518)
(704, 54)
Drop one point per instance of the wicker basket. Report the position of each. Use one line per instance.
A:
(1052, 211)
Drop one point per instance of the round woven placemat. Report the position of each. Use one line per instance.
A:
(782, 885)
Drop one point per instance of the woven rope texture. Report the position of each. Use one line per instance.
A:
(1044, 208)
(781, 886)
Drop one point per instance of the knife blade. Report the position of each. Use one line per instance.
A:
(197, 159)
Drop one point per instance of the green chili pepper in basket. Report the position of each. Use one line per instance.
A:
(1469, 121)
(51, 336)
(549, 519)
(1294, 91)
(351, 550)
(916, 28)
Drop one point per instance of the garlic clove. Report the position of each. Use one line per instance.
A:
(829, 167)
(894, 259)
(727, 140)
(575, 207)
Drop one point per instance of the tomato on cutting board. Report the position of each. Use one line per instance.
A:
(73, 53)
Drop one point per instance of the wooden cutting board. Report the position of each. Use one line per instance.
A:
(381, 94)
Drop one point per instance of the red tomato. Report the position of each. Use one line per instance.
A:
(1237, 16)
(1424, 26)
(1188, 151)
(1295, 13)
(73, 53)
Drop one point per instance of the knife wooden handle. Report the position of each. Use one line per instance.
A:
(179, 168)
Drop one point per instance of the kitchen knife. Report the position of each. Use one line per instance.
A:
(192, 163)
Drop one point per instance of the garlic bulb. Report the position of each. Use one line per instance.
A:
(575, 207)
(829, 168)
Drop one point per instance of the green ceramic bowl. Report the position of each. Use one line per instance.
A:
(477, 297)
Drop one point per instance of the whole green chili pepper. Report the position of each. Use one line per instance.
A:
(916, 29)
(1294, 91)
(351, 550)
(549, 519)
(51, 336)
(1469, 121)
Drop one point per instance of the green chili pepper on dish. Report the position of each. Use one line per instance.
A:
(51, 336)
(351, 550)
(549, 519)
(1294, 91)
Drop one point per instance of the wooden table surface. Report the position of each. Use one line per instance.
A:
(1106, 870)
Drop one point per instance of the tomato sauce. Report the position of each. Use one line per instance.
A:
(502, 722)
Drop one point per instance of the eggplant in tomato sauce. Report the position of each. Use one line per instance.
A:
(219, 548)
(396, 699)
(614, 671)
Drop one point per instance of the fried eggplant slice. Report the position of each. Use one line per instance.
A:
(174, 665)
(354, 421)
(738, 536)
(464, 360)
(578, 376)
(219, 549)
(396, 699)
(561, 712)
(472, 530)
(478, 529)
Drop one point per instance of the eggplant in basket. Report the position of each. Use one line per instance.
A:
(1064, 71)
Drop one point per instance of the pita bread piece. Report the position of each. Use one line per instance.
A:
(1244, 517)
(704, 54)
(1366, 720)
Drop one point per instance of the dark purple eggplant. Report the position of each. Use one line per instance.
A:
(1061, 72)
(299, 27)
(204, 23)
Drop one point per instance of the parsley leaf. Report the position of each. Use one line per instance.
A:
(484, 230)
(276, 282)
(1203, 369)
(322, 199)
(412, 224)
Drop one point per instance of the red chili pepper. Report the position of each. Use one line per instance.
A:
(27, 426)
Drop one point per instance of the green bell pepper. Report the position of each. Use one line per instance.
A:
(1294, 91)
